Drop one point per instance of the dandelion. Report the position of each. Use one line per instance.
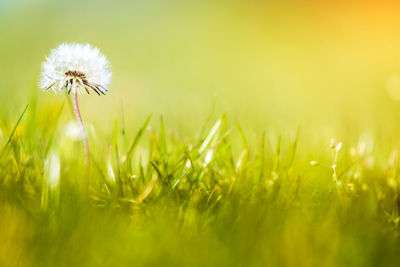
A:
(74, 131)
(76, 68)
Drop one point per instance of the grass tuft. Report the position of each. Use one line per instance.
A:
(217, 200)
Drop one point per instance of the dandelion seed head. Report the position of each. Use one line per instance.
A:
(80, 67)
(74, 131)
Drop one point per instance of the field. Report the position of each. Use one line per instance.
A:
(234, 134)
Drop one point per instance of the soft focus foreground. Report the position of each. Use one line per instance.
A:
(195, 188)
(161, 201)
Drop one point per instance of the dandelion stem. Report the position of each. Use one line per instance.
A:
(79, 118)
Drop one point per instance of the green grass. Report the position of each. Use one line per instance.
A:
(228, 197)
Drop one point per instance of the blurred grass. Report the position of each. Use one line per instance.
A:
(196, 203)
(243, 196)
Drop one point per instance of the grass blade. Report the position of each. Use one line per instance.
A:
(162, 140)
(262, 152)
(13, 132)
(210, 136)
(137, 138)
(207, 120)
(243, 136)
(294, 148)
(46, 151)
(277, 155)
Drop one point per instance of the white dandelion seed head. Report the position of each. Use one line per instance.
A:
(79, 67)
(74, 131)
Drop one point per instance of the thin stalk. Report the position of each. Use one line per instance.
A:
(84, 132)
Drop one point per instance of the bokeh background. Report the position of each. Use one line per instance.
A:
(328, 66)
